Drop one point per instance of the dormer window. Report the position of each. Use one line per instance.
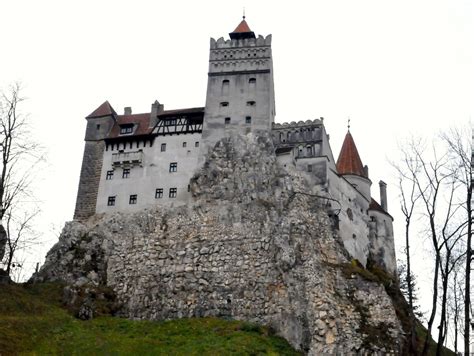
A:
(126, 129)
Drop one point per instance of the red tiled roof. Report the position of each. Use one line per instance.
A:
(242, 27)
(377, 207)
(104, 110)
(181, 111)
(349, 160)
(142, 121)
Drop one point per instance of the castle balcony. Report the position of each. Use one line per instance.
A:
(121, 158)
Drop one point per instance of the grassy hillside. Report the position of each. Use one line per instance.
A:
(32, 321)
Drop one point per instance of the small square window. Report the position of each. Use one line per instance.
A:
(227, 120)
(133, 199)
(248, 120)
(310, 168)
(196, 144)
(159, 193)
(184, 144)
(173, 192)
(173, 167)
(110, 175)
(111, 201)
(163, 147)
(126, 173)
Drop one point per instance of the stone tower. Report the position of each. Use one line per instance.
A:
(98, 127)
(240, 95)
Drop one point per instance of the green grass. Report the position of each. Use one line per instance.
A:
(33, 322)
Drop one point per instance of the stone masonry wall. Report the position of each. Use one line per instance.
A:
(250, 247)
(89, 179)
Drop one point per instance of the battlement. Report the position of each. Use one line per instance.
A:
(296, 125)
(260, 41)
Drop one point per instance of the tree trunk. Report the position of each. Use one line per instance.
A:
(467, 290)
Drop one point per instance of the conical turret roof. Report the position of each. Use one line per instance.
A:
(242, 31)
(349, 161)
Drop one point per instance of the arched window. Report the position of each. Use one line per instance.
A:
(227, 120)
(252, 81)
(225, 87)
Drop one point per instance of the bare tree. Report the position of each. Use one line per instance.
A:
(461, 154)
(20, 156)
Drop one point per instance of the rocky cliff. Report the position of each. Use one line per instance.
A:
(256, 244)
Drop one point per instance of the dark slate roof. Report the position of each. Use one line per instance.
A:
(103, 110)
(349, 161)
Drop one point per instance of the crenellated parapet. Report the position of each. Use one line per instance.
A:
(260, 41)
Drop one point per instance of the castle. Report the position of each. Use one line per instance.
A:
(134, 161)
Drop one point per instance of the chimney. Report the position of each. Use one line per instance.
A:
(127, 110)
(156, 108)
(383, 195)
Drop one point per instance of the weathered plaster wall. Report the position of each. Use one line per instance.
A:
(251, 247)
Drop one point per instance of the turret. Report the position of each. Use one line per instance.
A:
(240, 95)
(349, 165)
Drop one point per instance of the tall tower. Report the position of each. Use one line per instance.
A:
(99, 124)
(240, 96)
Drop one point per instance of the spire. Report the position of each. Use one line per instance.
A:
(104, 110)
(349, 161)
(242, 31)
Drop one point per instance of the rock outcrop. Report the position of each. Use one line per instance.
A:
(256, 244)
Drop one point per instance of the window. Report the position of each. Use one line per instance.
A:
(111, 201)
(184, 144)
(225, 87)
(248, 120)
(173, 167)
(309, 151)
(133, 199)
(159, 193)
(252, 81)
(109, 175)
(173, 192)
(170, 122)
(196, 144)
(250, 103)
(126, 173)
(163, 147)
(310, 168)
(189, 187)
(98, 126)
(227, 120)
(126, 129)
(225, 103)
(225, 82)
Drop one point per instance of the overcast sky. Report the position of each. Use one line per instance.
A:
(393, 67)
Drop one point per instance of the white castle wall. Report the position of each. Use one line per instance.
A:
(151, 174)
